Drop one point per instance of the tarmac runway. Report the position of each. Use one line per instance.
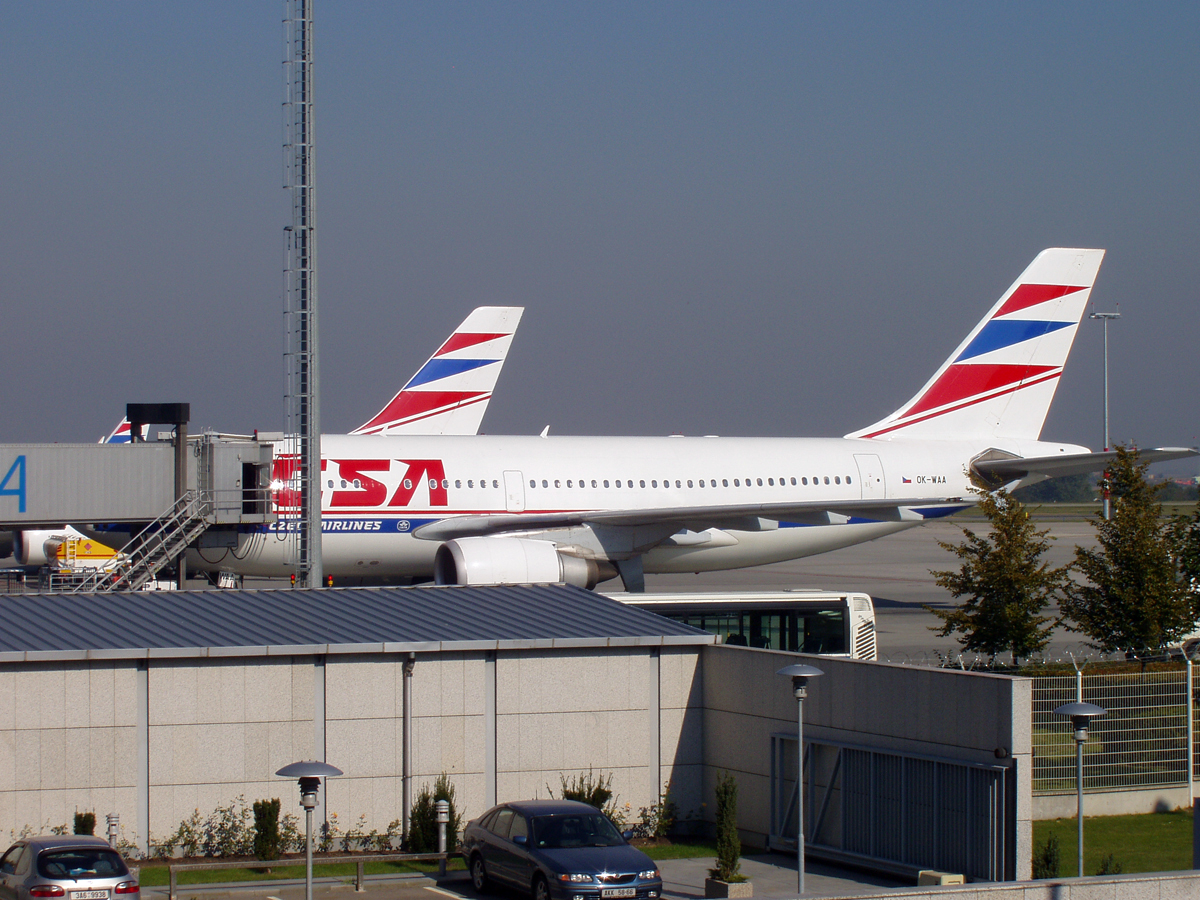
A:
(895, 571)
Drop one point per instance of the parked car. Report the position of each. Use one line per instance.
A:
(74, 867)
(557, 850)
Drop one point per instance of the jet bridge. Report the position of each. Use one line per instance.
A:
(168, 497)
(48, 485)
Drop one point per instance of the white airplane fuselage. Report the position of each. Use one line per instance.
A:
(377, 491)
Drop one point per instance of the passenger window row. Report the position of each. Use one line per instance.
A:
(711, 482)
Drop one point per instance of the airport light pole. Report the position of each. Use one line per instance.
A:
(1106, 318)
(309, 772)
(1080, 713)
(800, 674)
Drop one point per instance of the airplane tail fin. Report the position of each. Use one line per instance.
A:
(123, 433)
(1001, 379)
(450, 393)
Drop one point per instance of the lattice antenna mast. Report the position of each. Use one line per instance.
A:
(302, 390)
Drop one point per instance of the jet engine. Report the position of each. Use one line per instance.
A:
(29, 547)
(492, 560)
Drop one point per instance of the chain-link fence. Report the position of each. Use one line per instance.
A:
(1143, 741)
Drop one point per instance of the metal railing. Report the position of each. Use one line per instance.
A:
(1145, 739)
(359, 859)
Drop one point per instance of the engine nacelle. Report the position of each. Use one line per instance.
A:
(492, 560)
(29, 547)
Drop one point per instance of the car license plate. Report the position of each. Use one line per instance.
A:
(89, 895)
(613, 893)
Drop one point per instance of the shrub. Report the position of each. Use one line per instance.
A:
(422, 821)
(594, 791)
(1046, 859)
(1109, 866)
(266, 829)
(85, 823)
(729, 845)
(657, 819)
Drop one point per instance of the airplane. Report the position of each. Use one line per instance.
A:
(532, 509)
(449, 394)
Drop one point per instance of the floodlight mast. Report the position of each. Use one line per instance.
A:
(302, 388)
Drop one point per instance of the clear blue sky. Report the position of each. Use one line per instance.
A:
(745, 218)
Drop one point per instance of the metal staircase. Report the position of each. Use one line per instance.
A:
(156, 545)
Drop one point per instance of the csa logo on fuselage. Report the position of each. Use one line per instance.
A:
(365, 483)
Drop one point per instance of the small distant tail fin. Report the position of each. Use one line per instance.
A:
(123, 434)
(1002, 378)
(450, 393)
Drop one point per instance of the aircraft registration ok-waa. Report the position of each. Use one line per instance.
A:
(478, 509)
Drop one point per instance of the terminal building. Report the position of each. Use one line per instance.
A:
(156, 705)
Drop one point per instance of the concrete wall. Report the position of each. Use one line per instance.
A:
(1111, 803)
(936, 712)
(1165, 886)
(68, 741)
(156, 741)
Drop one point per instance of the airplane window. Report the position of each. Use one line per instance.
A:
(827, 479)
(724, 482)
(793, 481)
(701, 482)
(771, 482)
(457, 483)
(532, 483)
(593, 482)
(330, 482)
(760, 482)
(618, 482)
(470, 483)
(804, 481)
(654, 483)
(737, 483)
(343, 482)
(495, 483)
(606, 482)
(556, 484)
(568, 482)
(847, 479)
(545, 483)
(837, 479)
(407, 484)
(689, 482)
(642, 483)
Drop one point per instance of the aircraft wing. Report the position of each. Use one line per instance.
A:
(1073, 464)
(743, 517)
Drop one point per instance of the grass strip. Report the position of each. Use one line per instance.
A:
(158, 875)
(1152, 842)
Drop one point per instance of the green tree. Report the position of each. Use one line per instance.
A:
(266, 829)
(1067, 489)
(422, 820)
(1005, 582)
(1185, 535)
(729, 845)
(1133, 598)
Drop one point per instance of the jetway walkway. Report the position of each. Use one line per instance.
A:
(92, 486)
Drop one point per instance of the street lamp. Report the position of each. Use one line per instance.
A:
(309, 772)
(1105, 318)
(800, 674)
(1080, 713)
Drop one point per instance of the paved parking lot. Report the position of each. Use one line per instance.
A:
(773, 876)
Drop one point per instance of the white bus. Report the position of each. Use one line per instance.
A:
(822, 622)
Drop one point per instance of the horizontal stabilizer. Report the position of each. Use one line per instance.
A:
(1003, 470)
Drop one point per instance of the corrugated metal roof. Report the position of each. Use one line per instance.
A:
(182, 624)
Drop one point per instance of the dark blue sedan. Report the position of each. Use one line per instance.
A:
(557, 850)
